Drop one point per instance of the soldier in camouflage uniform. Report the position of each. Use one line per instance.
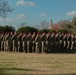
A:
(72, 42)
(14, 42)
(29, 43)
(7, 39)
(4, 39)
(56, 42)
(10, 42)
(68, 42)
(43, 42)
(19, 42)
(33, 40)
(61, 42)
(1, 42)
(52, 42)
(24, 42)
(75, 43)
(65, 42)
(38, 43)
(48, 42)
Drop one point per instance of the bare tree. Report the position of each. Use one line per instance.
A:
(4, 8)
(74, 25)
(23, 24)
(42, 25)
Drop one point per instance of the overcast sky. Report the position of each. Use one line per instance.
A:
(34, 11)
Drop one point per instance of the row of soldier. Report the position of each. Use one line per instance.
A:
(37, 42)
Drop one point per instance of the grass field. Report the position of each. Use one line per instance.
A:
(37, 64)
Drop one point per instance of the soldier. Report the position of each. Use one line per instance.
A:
(48, 42)
(4, 38)
(14, 41)
(56, 42)
(10, 41)
(7, 41)
(19, 42)
(61, 42)
(75, 43)
(65, 42)
(68, 41)
(29, 43)
(43, 42)
(33, 44)
(38, 43)
(72, 41)
(52, 41)
(24, 42)
(1, 42)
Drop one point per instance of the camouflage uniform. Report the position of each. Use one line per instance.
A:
(33, 44)
(52, 42)
(4, 38)
(65, 43)
(24, 42)
(10, 41)
(29, 43)
(14, 42)
(7, 40)
(38, 43)
(75, 43)
(43, 42)
(56, 43)
(48, 42)
(19, 42)
(61, 42)
(2, 42)
(68, 42)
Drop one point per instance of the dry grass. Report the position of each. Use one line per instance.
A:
(37, 64)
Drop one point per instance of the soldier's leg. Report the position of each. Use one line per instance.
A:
(33, 47)
(72, 46)
(23, 46)
(6, 46)
(18, 46)
(27, 46)
(2, 46)
(36, 47)
(64, 46)
(30, 47)
(13, 46)
(42, 46)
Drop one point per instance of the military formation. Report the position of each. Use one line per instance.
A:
(38, 42)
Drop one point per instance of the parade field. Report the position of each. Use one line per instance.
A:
(37, 64)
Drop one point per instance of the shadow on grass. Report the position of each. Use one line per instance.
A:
(66, 74)
(3, 71)
(18, 69)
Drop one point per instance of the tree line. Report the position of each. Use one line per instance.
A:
(27, 29)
